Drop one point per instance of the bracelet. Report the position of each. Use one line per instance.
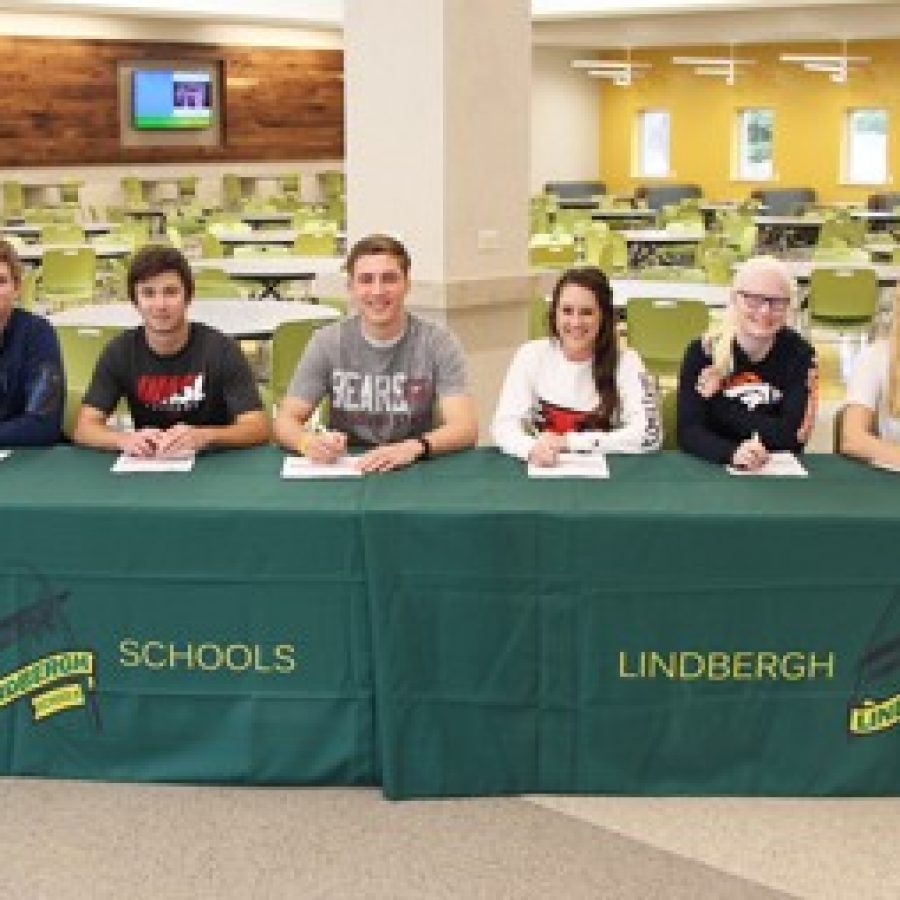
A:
(426, 446)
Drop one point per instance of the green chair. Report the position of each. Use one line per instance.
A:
(210, 246)
(331, 183)
(718, 265)
(13, 198)
(288, 343)
(668, 411)
(842, 299)
(70, 192)
(337, 303)
(538, 319)
(289, 184)
(311, 243)
(552, 250)
(133, 192)
(28, 289)
(232, 195)
(214, 284)
(660, 330)
(68, 276)
(62, 233)
(187, 188)
(81, 348)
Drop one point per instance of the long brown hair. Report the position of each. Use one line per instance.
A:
(606, 349)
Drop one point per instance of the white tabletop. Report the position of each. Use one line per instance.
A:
(800, 269)
(623, 289)
(789, 221)
(662, 236)
(259, 218)
(274, 267)
(33, 229)
(623, 214)
(238, 318)
(35, 252)
(283, 236)
(876, 215)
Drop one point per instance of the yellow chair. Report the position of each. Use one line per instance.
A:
(68, 276)
(718, 265)
(81, 348)
(660, 330)
(331, 183)
(289, 184)
(210, 246)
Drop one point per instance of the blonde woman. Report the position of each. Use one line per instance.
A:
(748, 386)
(871, 423)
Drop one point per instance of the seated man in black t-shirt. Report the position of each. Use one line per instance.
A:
(188, 386)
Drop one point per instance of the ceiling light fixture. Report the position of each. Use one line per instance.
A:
(836, 66)
(621, 72)
(723, 66)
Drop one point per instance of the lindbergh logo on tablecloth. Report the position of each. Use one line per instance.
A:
(730, 665)
(874, 706)
(55, 680)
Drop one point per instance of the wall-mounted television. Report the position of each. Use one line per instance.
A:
(171, 99)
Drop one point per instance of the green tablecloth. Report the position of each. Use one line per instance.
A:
(224, 613)
(671, 630)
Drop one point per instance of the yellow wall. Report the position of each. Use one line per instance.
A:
(809, 111)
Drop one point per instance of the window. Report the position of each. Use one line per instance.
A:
(755, 128)
(865, 141)
(653, 143)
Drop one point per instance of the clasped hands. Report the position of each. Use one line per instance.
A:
(328, 446)
(176, 442)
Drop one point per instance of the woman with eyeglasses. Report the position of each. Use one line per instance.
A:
(575, 391)
(748, 386)
(870, 426)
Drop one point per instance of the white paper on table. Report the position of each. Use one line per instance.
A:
(131, 465)
(779, 465)
(5, 454)
(303, 467)
(888, 467)
(573, 465)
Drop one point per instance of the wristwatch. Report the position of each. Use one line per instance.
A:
(426, 446)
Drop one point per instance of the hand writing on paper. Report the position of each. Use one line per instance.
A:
(547, 448)
(750, 454)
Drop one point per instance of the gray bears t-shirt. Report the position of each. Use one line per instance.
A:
(380, 394)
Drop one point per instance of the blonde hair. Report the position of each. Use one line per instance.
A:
(893, 385)
(718, 341)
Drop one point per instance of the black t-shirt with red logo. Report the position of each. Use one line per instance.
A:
(208, 382)
(768, 398)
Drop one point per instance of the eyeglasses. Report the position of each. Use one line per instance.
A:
(758, 301)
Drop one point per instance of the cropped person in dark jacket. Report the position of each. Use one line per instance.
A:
(748, 386)
(31, 374)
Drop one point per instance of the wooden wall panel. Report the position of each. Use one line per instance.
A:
(59, 104)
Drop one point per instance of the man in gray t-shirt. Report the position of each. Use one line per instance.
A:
(394, 382)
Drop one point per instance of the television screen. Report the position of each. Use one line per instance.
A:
(164, 99)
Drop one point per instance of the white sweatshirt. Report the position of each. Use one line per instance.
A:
(545, 391)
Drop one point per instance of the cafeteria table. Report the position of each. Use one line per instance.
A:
(273, 270)
(242, 319)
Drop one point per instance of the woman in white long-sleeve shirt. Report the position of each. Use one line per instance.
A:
(576, 391)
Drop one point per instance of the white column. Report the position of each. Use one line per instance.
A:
(438, 135)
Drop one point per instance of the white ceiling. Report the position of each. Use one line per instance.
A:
(563, 23)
